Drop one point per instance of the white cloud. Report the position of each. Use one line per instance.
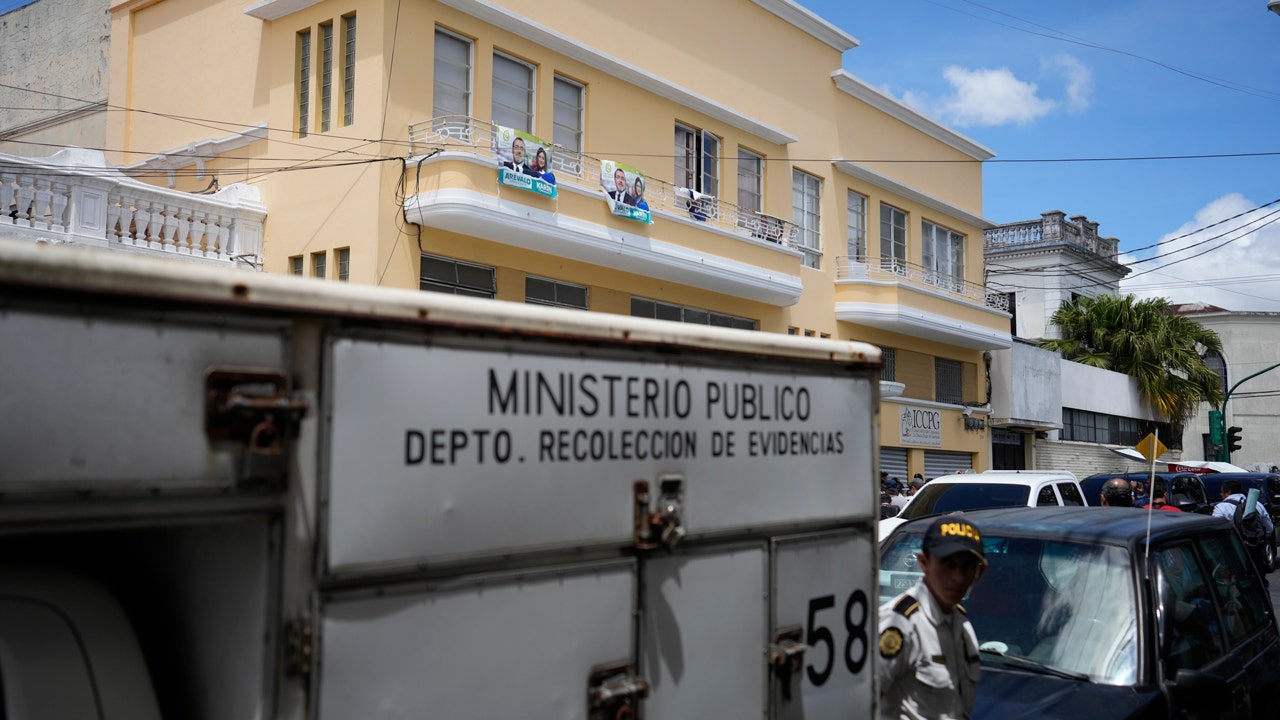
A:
(991, 97)
(1234, 265)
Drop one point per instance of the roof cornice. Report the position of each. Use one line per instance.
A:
(811, 23)
(853, 169)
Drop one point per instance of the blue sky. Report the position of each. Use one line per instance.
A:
(1032, 81)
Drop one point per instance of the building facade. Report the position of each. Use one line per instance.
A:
(1049, 413)
(1249, 341)
(774, 196)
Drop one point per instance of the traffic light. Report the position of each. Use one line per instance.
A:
(1215, 427)
(1233, 438)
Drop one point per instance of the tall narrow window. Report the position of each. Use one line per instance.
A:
(348, 69)
(451, 92)
(318, 265)
(512, 93)
(856, 222)
(893, 240)
(342, 257)
(942, 254)
(567, 131)
(806, 213)
(948, 382)
(326, 75)
(750, 181)
(697, 160)
(304, 82)
(295, 265)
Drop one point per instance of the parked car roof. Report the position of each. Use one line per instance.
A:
(1112, 526)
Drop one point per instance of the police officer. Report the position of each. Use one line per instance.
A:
(928, 651)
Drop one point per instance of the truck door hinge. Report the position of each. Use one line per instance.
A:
(252, 413)
(786, 656)
(614, 692)
(299, 645)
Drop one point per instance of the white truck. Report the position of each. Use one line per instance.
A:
(229, 495)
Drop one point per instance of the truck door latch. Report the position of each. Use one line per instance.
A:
(663, 524)
(614, 692)
(786, 656)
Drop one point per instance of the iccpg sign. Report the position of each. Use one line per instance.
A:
(921, 427)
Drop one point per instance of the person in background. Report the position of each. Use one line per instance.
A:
(914, 486)
(540, 166)
(1233, 496)
(1140, 498)
(928, 665)
(1159, 499)
(1116, 492)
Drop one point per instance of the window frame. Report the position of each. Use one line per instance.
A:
(296, 266)
(750, 184)
(893, 247)
(467, 92)
(342, 263)
(502, 113)
(855, 232)
(948, 381)
(326, 75)
(942, 255)
(807, 215)
(697, 159)
(691, 315)
(457, 286)
(348, 69)
(302, 104)
(320, 265)
(556, 287)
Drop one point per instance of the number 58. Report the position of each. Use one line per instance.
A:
(855, 624)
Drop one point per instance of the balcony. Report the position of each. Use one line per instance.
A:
(913, 300)
(701, 240)
(1052, 229)
(75, 197)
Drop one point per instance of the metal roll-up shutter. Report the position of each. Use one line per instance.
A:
(894, 461)
(942, 462)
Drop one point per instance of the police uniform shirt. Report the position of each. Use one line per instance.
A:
(928, 660)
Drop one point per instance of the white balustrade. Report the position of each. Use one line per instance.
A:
(75, 197)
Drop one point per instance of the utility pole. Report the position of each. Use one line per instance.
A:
(1228, 439)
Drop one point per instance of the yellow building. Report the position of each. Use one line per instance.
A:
(778, 196)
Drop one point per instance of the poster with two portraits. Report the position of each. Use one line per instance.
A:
(524, 161)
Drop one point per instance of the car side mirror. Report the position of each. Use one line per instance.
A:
(1198, 691)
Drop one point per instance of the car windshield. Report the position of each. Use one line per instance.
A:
(935, 499)
(1067, 605)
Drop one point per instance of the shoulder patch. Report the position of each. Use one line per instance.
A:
(907, 606)
(890, 642)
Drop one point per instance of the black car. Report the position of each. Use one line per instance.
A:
(1075, 619)
(1186, 492)
(1268, 485)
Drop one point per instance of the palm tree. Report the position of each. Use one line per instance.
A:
(1145, 340)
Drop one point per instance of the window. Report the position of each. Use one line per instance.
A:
(856, 222)
(893, 240)
(512, 93)
(1071, 494)
(697, 160)
(1190, 629)
(318, 265)
(326, 75)
(348, 69)
(942, 252)
(451, 92)
(793, 331)
(455, 277)
(1086, 426)
(304, 82)
(888, 366)
(948, 381)
(1046, 498)
(567, 120)
(542, 291)
(342, 257)
(1011, 299)
(806, 213)
(641, 307)
(295, 265)
(1215, 362)
(750, 181)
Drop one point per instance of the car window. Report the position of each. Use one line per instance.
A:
(1241, 600)
(1191, 633)
(1070, 494)
(1046, 497)
(936, 498)
(899, 570)
(1069, 605)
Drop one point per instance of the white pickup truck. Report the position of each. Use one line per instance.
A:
(238, 496)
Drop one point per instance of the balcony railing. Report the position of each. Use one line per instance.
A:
(475, 137)
(1051, 230)
(861, 267)
(75, 197)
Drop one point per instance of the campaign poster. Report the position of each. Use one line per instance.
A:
(624, 188)
(524, 161)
